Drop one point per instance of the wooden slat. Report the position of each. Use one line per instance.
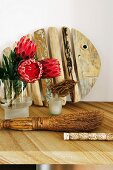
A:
(41, 42)
(42, 53)
(69, 69)
(36, 93)
(56, 53)
(34, 90)
(29, 92)
(87, 62)
(7, 51)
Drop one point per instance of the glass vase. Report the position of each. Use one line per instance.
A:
(14, 100)
(55, 106)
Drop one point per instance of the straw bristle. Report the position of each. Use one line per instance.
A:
(82, 121)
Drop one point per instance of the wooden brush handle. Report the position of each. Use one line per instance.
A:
(84, 121)
(30, 123)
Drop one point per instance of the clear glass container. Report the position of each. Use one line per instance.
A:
(55, 106)
(14, 100)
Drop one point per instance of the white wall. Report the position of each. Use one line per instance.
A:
(94, 18)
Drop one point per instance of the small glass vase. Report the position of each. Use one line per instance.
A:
(55, 106)
(15, 101)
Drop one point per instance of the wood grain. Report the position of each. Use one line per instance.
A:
(69, 67)
(29, 92)
(42, 53)
(36, 93)
(49, 147)
(87, 62)
(34, 89)
(56, 53)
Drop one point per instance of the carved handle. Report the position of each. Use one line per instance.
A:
(32, 123)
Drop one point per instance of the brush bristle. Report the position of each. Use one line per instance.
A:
(83, 121)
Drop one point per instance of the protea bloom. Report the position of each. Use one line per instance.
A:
(30, 70)
(51, 68)
(25, 48)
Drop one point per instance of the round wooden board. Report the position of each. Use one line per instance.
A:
(71, 44)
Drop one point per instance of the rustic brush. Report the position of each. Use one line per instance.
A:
(83, 121)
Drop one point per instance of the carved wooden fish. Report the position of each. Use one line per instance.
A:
(79, 61)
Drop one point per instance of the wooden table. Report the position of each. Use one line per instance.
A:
(37, 147)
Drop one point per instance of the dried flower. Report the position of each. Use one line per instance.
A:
(25, 48)
(51, 68)
(30, 70)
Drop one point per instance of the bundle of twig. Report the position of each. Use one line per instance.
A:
(63, 88)
(83, 121)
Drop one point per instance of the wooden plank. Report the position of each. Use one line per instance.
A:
(7, 51)
(29, 92)
(87, 61)
(56, 53)
(69, 69)
(35, 88)
(41, 42)
(49, 147)
(42, 53)
(36, 93)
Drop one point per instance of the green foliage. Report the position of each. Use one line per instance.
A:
(9, 74)
(2, 72)
(9, 66)
(18, 86)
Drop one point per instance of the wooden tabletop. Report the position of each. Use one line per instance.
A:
(38, 147)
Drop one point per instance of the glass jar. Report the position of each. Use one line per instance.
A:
(55, 106)
(14, 100)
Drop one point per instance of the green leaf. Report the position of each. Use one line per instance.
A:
(10, 66)
(2, 71)
(6, 63)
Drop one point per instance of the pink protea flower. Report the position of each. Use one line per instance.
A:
(30, 70)
(25, 48)
(51, 68)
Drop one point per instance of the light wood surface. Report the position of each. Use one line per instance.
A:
(35, 89)
(87, 62)
(56, 53)
(49, 147)
(69, 63)
(36, 93)
(7, 51)
(42, 53)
